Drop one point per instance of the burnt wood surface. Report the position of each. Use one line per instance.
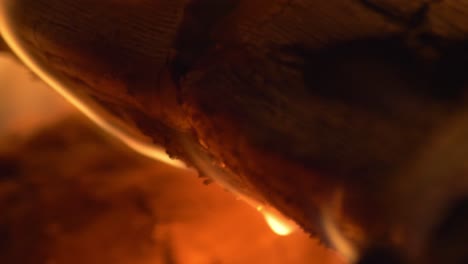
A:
(297, 97)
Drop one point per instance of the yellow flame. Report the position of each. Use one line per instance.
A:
(8, 33)
(280, 226)
(338, 240)
(334, 234)
(278, 223)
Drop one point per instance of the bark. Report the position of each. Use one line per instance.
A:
(298, 98)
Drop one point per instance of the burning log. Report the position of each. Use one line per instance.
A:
(318, 107)
(69, 195)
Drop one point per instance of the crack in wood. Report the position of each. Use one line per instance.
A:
(194, 37)
(413, 18)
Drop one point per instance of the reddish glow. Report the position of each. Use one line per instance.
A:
(277, 222)
(25, 102)
(7, 30)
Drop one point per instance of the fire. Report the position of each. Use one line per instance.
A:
(340, 243)
(7, 30)
(280, 226)
(277, 222)
(334, 234)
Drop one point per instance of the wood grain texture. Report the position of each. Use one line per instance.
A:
(299, 98)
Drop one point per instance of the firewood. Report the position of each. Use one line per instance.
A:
(70, 195)
(300, 99)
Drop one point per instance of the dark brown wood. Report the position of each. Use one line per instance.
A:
(3, 46)
(298, 98)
